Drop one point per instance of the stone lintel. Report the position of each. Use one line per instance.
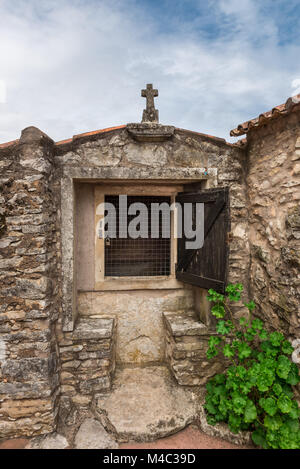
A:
(181, 325)
(110, 172)
(150, 132)
(94, 329)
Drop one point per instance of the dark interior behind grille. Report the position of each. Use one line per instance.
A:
(137, 257)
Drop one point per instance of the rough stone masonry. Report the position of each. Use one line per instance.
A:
(61, 339)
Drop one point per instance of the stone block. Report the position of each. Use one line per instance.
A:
(93, 329)
(181, 325)
(95, 385)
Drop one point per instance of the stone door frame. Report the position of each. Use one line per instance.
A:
(98, 175)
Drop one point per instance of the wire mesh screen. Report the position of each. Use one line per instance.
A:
(142, 256)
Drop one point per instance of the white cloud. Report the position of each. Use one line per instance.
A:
(296, 86)
(74, 66)
(2, 91)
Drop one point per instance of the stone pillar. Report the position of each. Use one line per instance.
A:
(29, 254)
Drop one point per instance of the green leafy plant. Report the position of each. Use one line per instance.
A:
(255, 393)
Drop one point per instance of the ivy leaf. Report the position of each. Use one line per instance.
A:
(234, 292)
(215, 296)
(211, 420)
(264, 382)
(269, 405)
(269, 349)
(243, 321)
(272, 438)
(209, 406)
(284, 404)
(212, 352)
(239, 404)
(287, 390)
(219, 379)
(239, 335)
(218, 311)
(234, 423)
(295, 411)
(224, 407)
(224, 328)
(259, 439)
(264, 335)
(254, 373)
(213, 341)
(246, 387)
(228, 351)
(277, 389)
(287, 348)
(244, 351)
(276, 338)
(250, 334)
(257, 324)
(241, 371)
(250, 412)
(292, 425)
(284, 366)
(251, 306)
(273, 423)
(220, 390)
(293, 376)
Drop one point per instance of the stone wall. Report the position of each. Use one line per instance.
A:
(87, 365)
(274, 198)
(29, 291)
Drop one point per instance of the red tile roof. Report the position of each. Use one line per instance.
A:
(69, 140)
(291, 105)
(89, 134)
(8, 144)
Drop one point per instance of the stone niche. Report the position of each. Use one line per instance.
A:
(67, 325)
(139, 161)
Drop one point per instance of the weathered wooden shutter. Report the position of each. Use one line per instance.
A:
(206, 267)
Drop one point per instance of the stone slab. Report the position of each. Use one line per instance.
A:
(92, 435)
(221, 430)
(146, 404)
(101, 328)
(182, 325)
(52, 441)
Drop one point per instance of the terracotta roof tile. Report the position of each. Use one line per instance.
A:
(291, 105)
(89, 134)
(8, 144)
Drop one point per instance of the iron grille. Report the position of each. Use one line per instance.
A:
(139, 257)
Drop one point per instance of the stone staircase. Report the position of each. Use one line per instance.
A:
(186, 344)
(134, 402)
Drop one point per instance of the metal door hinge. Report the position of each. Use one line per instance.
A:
(229, 237)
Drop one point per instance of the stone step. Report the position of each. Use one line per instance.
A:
(146, 404)
(186, 345)
(184, 324)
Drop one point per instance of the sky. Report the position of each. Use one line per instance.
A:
(73, 66)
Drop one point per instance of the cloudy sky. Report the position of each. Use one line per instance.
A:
(71, 66)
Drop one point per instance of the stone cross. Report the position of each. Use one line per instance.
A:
(150, 114)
